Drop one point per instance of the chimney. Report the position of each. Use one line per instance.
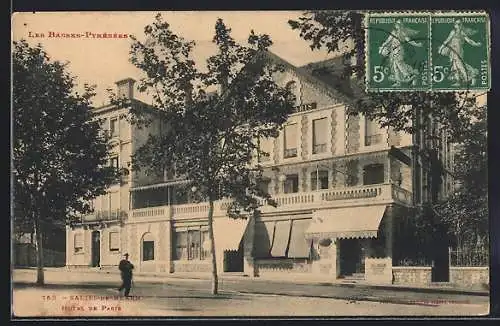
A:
(126, 88)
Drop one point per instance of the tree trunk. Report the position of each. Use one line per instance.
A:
(215, 281)
(40, 279)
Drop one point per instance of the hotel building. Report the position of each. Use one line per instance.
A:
(342, 197)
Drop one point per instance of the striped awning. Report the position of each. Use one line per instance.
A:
(228, 233)
(350, 222)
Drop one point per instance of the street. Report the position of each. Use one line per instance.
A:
(95, 294)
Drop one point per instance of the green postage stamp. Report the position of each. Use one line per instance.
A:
(445, 51)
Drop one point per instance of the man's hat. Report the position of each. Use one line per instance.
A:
(126, 254)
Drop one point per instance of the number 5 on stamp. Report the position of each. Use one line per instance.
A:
(398, 52)
(460, 51)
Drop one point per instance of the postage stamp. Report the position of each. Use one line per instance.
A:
(460, 52)
(398, 52)
(445, 51)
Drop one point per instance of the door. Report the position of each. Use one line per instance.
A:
(352, 260)
(233, 260)
(440, 265)
(96, 249)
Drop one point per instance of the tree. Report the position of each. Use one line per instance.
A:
(211, 137)
(466, 210)
(59, 154)
(343, 31)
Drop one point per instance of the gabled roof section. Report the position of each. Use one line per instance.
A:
(330, 72)
(328, 83)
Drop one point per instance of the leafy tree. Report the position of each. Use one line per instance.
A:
(59, 155)
(466, 210)
(210, 137)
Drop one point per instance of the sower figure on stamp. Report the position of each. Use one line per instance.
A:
(126, 268)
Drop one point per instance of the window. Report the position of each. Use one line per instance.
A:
(113, 162)
(266, 146)
(320, 130)
(105, 205)
(114, 241)
(291, 184)
(113, 125)
(373, 174)
(148, 247)
(319, 180)
(192, 245)
(194, 238)
(78, 245)
(372, 133)
(290, 137)
(205, 245)
(181, 245)
(264, 185)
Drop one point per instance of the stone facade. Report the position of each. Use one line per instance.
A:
(352, 133)
(412, 275)
(470, 276)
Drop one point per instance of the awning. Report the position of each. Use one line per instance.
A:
(263, 239)
(228, 233)
(352, 222)
(281, 237)
(300, 246)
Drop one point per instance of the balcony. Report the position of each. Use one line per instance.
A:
(328, 198)
(105, 216)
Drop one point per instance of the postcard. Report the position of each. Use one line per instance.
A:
(250, 164)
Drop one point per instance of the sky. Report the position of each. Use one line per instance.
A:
(102, 61)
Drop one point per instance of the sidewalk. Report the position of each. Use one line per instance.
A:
(443, 288)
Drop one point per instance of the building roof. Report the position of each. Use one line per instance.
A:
(325, 75)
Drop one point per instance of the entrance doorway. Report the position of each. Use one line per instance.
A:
(233, 260)
(96, 249)
(352, 257)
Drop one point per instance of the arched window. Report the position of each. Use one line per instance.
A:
(148, 247)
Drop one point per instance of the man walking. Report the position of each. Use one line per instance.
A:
(126, 268)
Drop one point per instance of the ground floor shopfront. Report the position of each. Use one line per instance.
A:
(353, 241)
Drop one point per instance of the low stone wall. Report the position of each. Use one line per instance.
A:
(411, 275)
(470, 276)
(192, 266)
(266, 266)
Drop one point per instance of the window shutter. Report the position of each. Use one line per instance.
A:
(78, 240)
(291, 136)
(320, 131)
(114, 241)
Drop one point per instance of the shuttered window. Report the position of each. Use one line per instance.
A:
(320, 135)
(114, 241)
(290, 137)
(266, 146)
(373, 134)
(78, 243)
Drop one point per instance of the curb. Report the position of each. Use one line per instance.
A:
(401, 288)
